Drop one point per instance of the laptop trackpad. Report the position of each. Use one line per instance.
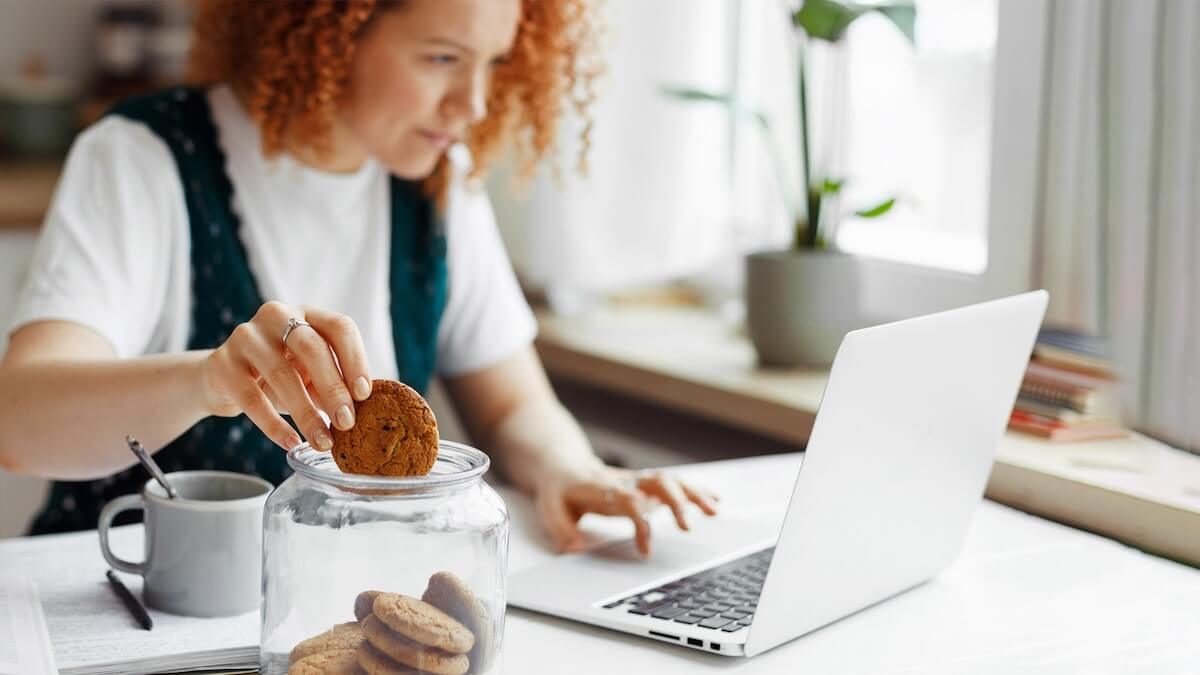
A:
(617, 567)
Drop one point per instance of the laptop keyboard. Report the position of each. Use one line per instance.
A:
(722, 598)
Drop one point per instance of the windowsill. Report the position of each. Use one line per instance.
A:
(907, 242)
(1136, 490)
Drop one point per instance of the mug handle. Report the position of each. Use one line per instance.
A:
(107, 514)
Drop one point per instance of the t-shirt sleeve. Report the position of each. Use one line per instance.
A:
(486, 319)
(105, 249)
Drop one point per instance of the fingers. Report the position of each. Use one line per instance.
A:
(277, 402)
(670, 492)
(344, 338)
(311, 355)
(289, 388)
(706, 502)
(641, 533)
(558, 521)
(626, 502)
(609, 498)
(308, 383)
(612, 492)
(321, 365)
(267, 360)
(260, 411)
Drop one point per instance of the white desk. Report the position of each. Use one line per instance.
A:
(1025, 596)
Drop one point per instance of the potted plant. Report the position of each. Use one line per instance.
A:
(801, 301)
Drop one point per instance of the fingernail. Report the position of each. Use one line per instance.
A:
(345, 418)
(292, 441)
(324, 442)
(362, 389)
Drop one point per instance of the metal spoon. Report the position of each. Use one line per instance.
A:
(151, 465)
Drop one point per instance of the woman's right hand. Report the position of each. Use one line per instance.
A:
(321, 364)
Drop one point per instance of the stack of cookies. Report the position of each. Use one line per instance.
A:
(394, 434)
(447, 632)
(333, 652)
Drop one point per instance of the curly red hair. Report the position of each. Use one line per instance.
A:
(291, 60)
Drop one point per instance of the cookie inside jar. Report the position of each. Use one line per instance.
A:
(447, 631)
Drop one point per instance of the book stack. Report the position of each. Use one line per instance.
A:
(1070, 390)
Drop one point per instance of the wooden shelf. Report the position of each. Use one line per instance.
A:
(1135, 490)
(685, 359)
(25, 193)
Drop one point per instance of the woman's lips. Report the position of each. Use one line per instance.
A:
(437, 138)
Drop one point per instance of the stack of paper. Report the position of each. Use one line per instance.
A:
(24, 641)
(92, 632)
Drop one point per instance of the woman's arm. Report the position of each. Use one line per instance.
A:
(66, 401)
(511, 410)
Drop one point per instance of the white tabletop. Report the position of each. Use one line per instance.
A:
(1025, 596)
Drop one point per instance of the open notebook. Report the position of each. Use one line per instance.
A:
(92, 632)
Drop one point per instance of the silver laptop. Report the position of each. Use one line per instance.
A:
(896, 465)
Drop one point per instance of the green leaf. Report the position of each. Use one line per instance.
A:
(904, 15)
(828, 19)
(825, 19)
(697, 95)
(832, 187)
(877, 210)
(726, 100)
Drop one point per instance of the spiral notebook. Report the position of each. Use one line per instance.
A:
(90, 631)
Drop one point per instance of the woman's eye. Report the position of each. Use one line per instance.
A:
(442, 58)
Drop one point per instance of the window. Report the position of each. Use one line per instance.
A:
(918, 127)
(950, 126)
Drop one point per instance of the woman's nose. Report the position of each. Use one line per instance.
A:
(469, 100)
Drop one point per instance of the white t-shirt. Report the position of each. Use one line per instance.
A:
(115, 250)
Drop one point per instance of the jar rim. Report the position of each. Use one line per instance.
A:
(457, 464)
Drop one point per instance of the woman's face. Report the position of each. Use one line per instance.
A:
(420, 78)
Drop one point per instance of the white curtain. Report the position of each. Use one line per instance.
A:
(660, 201)
(1119, 240)
(655, 203)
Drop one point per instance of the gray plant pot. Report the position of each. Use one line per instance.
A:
(800, 304)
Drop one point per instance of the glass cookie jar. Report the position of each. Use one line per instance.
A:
(329, 537)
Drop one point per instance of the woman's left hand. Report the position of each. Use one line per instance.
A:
(563, 496)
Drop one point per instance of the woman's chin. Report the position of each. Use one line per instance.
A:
(414, 168)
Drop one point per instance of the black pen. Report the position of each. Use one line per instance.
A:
(131, 602)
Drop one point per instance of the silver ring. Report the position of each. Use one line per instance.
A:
(293, 323)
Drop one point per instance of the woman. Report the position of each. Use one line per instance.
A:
(321, 176)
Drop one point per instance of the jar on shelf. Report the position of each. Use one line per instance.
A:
(330, 538)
